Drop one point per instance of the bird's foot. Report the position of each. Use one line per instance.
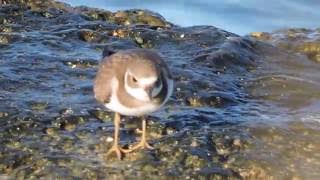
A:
(143, 144)
(118, 150)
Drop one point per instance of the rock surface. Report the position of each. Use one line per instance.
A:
(304, 41)
(241, 108)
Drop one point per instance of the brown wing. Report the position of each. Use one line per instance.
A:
(102, 83)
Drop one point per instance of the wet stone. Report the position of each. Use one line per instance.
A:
(39, 106)
(121, 17)
(218, 100)
(3, 20)
(89, 35)
(66, 111)
(4, 40)
(137, 16)
(311, 49)
(300, 40)
(102, 115)
(151, 19)
(78, 63)
(261, 35)
(51, 131)
(95, 14)
(6, 29)
(195, 162)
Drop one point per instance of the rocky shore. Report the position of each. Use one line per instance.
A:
(244, 107)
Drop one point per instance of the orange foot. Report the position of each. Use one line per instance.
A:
(118, 150)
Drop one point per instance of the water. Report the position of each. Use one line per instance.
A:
(237, 16)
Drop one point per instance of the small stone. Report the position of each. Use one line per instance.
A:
(67, 111)
(101, 115)
(89, 35)
(121, 14)
(261, 35)
(51, 131)
(139, 40)
(69, 126)
(4, 40)
(3, 114)
(39, 106)
(194, 161)
(5, 29)
(170, 130)
(47, 14)
(68, 146)
(237, 142)
(194, 143)
(194, 101)
(109, 139)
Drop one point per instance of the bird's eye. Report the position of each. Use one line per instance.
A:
(134, 79)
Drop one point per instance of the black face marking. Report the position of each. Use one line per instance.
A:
(158, 82)
(164, 91)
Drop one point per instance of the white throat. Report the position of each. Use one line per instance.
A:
(138, 93)
(147, 81)
(116, 106)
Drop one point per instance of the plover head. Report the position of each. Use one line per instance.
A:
(143, 81)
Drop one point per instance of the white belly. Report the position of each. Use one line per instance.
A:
(116, 106)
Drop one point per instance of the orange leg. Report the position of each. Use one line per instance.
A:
(143, 144)
(115, 147)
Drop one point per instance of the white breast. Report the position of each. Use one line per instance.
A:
(116, 106)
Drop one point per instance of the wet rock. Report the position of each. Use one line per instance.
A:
(301, 40)
(6, 29)
(137, 16)
(121, 32)
(311, 49)
(152, 19)
(89, 35)
(261, 35)
(121, 17)
(68, 123)
(195, 162)
(4, 40)
(95, 14)
(118, 45)
(211, 100)
(66, 112)
(102, 115)
(51, 131)
(39, 106)
(79, 63)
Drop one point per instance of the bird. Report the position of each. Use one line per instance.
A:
(133, 82)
